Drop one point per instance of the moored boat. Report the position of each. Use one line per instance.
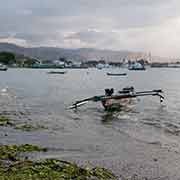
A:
(3, 67)
(116, 74)
(136, 67)
(57, 72)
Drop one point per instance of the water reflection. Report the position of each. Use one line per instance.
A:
(108, 117)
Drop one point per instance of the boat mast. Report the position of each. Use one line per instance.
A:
(150, 57)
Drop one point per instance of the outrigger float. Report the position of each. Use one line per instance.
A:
(121, 99)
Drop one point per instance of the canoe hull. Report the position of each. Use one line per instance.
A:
(117, 103)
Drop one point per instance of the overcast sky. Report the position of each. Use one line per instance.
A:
(138, 25)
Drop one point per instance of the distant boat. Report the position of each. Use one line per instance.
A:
(99, 68)
(116, 74)
(102, 66)
(3, 67)
(136, 66)
(57, 72)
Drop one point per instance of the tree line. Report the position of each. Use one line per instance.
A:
(9, 58)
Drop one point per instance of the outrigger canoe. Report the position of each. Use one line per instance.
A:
(122, 98)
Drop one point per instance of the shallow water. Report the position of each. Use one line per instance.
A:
(90, 133)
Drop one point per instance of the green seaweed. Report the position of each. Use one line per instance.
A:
(4, 121)
(102, 173)
(55, 170)
(48, 169)
(11, 152)
(29, 127)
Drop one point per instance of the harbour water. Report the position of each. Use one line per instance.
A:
(142, 139)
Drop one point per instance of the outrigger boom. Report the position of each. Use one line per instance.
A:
(126, 93)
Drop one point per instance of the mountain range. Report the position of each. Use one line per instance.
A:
(81, 54)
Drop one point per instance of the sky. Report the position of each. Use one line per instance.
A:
(135, 25)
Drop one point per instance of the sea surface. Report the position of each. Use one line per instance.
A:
(146, 133)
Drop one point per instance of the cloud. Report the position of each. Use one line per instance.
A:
(117, 24)
(89, 36)
(20, 42)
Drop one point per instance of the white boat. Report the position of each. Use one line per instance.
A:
(136, 66)
(3, 67)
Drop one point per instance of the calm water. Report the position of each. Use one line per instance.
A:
(34, 96)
